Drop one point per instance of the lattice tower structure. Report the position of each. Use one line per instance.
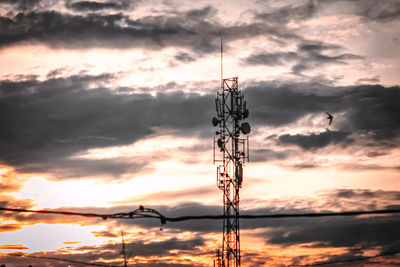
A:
(231, 151)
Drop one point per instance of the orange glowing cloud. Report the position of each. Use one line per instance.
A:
(13, 247)
(9, 179)
(104, 234)
(9, 227)
(71, 242)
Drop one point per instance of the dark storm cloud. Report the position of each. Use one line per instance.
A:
(271, 59)
(110, 254)
(22, 4)
(78, 168)
(200, 14)
(369, 109)
(138, 248)
(373, 154)
(374, 79)
(277, 105)
(309, 55)
(9, 227)
(184, 57)
(366, 194)
(94, 30)
(365, 232)
(335, 232)
(191, 29)
(316, 141)
(373, 109)
(288, 13)
(316, 47)
(377, 10)
(304, 166)
(45, 123)
(263, 155)
(362, 232)
(96, 6)
(373, 10)
(313, 61)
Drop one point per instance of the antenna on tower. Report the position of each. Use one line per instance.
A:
(232, 146)
(222, 64)
(123, 249)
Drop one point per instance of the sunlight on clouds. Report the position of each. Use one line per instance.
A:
(81, 193)
(323, 53)
(269, 181)
(47, 237)
(144, 147)
(166, 173)
(255, 241)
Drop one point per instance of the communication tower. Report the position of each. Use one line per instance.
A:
(231, 151)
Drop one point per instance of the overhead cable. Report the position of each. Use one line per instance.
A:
(143, 212)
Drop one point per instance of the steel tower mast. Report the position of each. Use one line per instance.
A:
(234, 152)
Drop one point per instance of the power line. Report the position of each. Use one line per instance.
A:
(296, 265)
(283, 215)
(142, 212)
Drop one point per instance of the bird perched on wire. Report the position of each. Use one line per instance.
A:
(329, 117)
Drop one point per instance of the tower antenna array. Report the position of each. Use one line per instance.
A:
(231, 151)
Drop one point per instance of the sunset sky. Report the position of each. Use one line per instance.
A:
(107, 105)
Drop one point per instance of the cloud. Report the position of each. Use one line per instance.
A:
(375, 10)
(8, 201)
(364, 232)
(9, 180)
(22, 4)
(316, 141)
(9, 228)
(62, 117)
(98, 6)
(373, 154)
(195, 192)
(315, 60)
(184, 57)
(263, 155)
(366, 194)
(355, 234)
(366, 108)
(309, 55)
(63, 168)
(373, 109)
(280, 104)
(271, 59)
(152, 253)
(104, 234)
(289, 13)
(374, 79)
(317, 47)
(367, 232)
(13, 247)
(303, 166)
(195, 29)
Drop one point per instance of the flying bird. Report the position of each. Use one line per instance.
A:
(330, 118)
